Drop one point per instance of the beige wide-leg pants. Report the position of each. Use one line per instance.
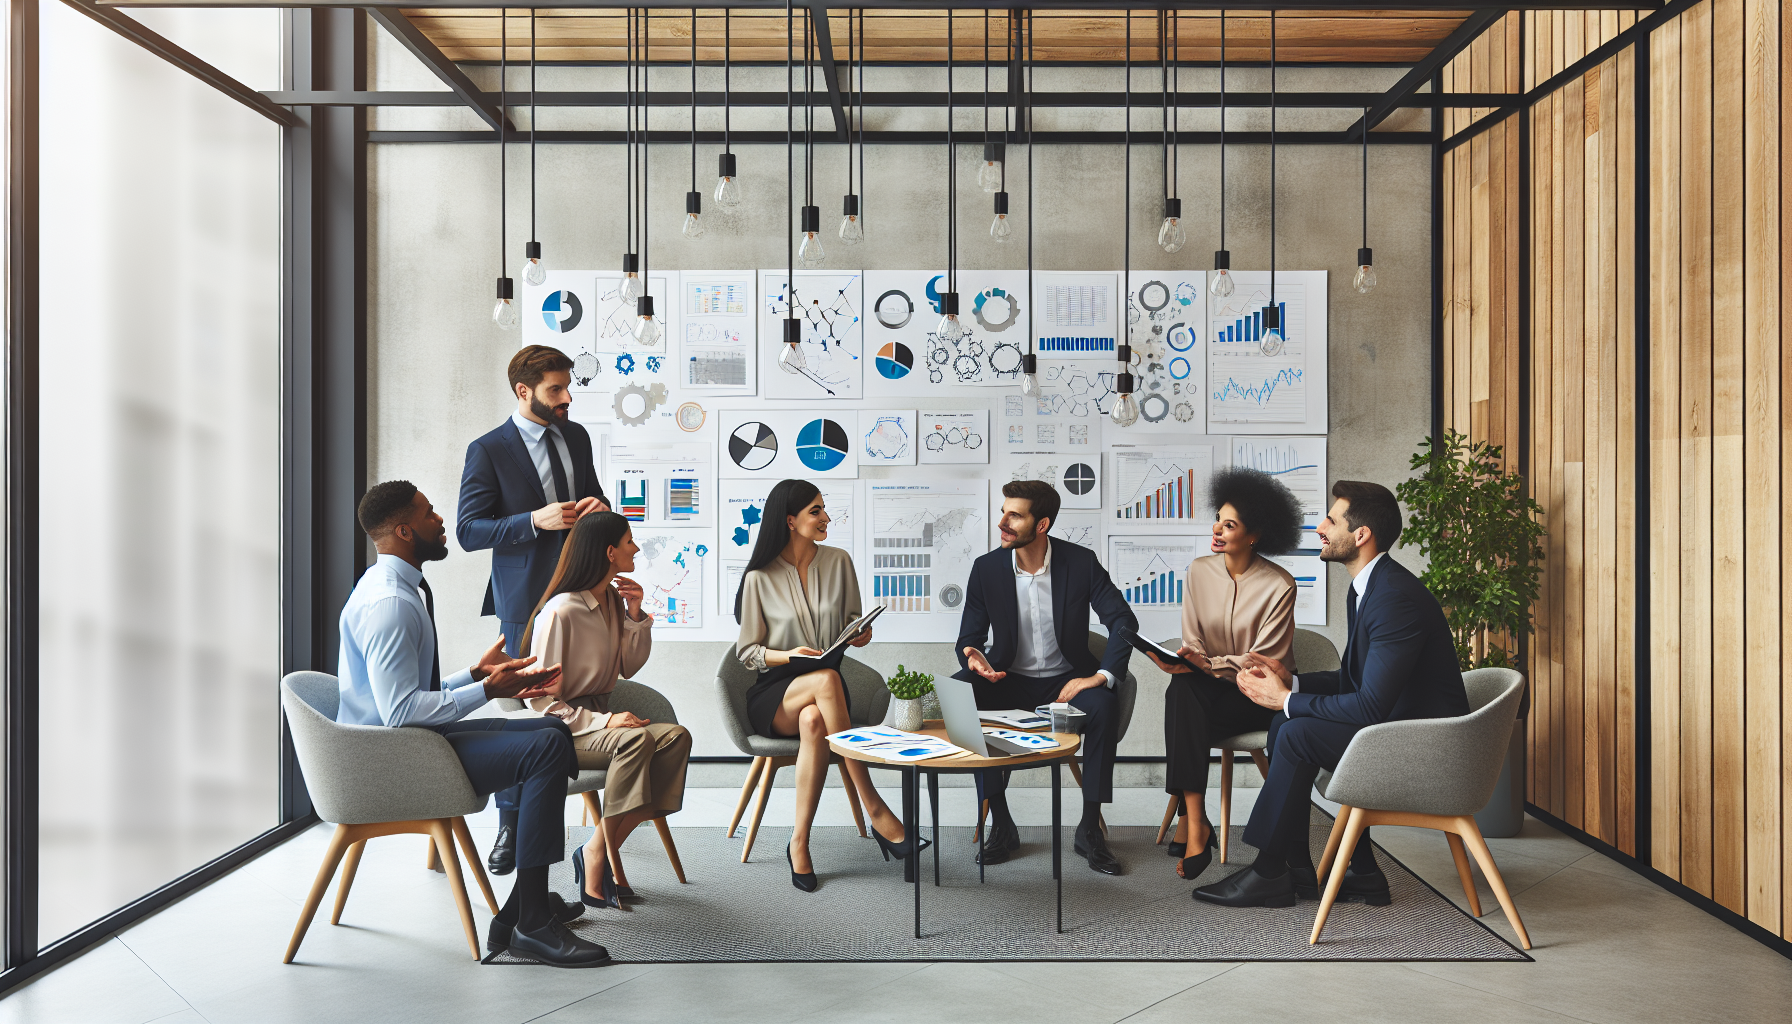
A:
(646, 766)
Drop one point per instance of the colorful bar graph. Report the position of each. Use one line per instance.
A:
(1081, 345)
(1248, 330)
(632, 501)
(1162, 589)
(681, 498)
(903, 592)
(1174, 499)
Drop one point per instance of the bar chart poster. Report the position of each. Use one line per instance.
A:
(923, 538)
(1155, 487)
(1078, 315)
(1151, 573)
(663, 483)
(1299, 463)
(1309, 587)
(1260, 381)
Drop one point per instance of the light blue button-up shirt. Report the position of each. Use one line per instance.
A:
(387, 648)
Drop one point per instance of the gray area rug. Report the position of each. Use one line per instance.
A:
(734, 912)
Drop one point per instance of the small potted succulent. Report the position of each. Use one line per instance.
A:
(907, 688)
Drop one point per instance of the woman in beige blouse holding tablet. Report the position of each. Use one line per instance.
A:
(795, 599)
(1234, 602)
(591, 623)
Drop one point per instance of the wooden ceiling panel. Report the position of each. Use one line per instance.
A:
(910, 37)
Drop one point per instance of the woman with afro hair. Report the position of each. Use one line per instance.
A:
(1236, 601)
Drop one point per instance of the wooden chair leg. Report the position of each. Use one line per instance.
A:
(982, 815)
(1332, 841)
(349, 864)
(430, 860)
(1169, 816)
(1471, 836)
(344, 837)
(1261, 762)
(465, 837)
(852, 799)
(765, 794)
(746, 792)
(1460, 855)
(671, 848)
(1076, 773)
(1358, 822)
(443, 833)
(1225, 803)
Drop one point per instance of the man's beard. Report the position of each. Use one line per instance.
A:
(1022, 540)
(430, 550)
(547, 413)
(1334, 551)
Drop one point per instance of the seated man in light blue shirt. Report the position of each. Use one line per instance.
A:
(391, 676)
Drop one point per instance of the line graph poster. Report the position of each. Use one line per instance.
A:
(1254, 385)
(1152, 573)
(922, 539)
(1150, 488)
(830, 305)
(1309, 584)
(717, 351)
(1298, 462)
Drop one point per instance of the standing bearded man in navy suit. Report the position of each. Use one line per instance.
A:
(525, 484)
(1399, 663)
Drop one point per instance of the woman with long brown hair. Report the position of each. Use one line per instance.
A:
(590, 621)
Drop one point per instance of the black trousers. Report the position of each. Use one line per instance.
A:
(532, 756)
(1299, 749)
(1099, 735)
(1199, 709)
(507, 798)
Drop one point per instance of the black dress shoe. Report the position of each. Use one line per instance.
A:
(497, 935)
(1000, 844)
(503, 856)
(556, 946)
(1249, 889)
(1092, 846)
(1370, 888)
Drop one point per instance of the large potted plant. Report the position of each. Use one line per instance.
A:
(1482, 535)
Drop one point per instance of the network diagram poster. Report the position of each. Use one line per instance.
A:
(1165, 315)
(829, 304)
(1258, 383)
(887, 437)
(910, 356)
(953, 436)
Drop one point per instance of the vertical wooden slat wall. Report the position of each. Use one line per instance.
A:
(1719, 686)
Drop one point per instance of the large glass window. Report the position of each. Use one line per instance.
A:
(159, 457)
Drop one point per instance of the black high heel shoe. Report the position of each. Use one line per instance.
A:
(804, 881)
(607, 886)
(1191, 867)
(898, 850)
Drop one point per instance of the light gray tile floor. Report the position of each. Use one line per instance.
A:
(1610, 947)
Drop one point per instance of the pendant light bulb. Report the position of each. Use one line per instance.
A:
(693, 214)
(505, 313)
(632, 286)
(811, 253)
(727, 182)
(852, 229)
(535, 272)
(1365, 271)
(1221, 285)
(1000, 229)
(1126, 408)
(646, 329)
(792, 360)
(1273, 340)
(1029, 375)
(989, 176)
(1171, 235)
(950, 327)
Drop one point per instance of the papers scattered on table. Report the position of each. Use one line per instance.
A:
(1031, 740)
(1016, 719)
(895, 745)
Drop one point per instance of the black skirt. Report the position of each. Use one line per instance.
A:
(767, 694)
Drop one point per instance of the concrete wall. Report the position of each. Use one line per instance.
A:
(437, 363)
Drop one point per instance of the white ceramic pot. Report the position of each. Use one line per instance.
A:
(905, 714)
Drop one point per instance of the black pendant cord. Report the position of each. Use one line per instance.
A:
(808, 108)
(641, 93)
(1009, 47)
(727, 79)
(1028, 23)
(1272, 168)
(532, 126)
(1175, 103)
(628, 132)
(1126, 199)
(789, 159)
(693, 99)
(1163, 74)
(1365, 178)
(503, 149)
(1222, 131)
(951, 172)
(986, 79)
(849, 102)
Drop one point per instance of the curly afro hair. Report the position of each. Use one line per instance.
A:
(1265, 506)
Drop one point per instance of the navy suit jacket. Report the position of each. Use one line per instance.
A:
(1079, 583)
(499, 491)
(1399, 661)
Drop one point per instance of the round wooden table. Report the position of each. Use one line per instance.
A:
(933, 768)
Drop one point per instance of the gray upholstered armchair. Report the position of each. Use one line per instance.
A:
(373, 781)
(1430, 773)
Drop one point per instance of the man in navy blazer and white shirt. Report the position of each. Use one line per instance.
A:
(1399, 663)
(1030, 600)
(525, 484)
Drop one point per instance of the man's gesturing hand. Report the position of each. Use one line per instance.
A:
(980, 665)
(558, 515)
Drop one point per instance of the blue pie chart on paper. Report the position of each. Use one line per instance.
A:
(562, 311)
(821, 445)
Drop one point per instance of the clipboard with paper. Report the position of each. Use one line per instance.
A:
(830, 658)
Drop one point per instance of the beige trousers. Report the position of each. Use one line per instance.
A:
(646, 766)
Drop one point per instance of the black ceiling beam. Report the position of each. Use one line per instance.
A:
(1187, 100)
(830, 72)
(776, 138)
(139, 33)
(413, 39)
(1446, 51)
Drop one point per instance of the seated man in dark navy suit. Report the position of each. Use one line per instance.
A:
(1035, 593)
(1399, 663)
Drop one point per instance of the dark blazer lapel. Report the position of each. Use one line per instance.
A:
(1004, 607)
(1060, 587)
(1351, 651)
(519, 453)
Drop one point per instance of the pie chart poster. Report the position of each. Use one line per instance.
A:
(775, 444)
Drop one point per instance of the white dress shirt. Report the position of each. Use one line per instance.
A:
(1036, 651)
(1359, 584)
(533, 434)
(387, 646)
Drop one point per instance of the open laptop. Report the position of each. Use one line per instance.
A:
(964, 726)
